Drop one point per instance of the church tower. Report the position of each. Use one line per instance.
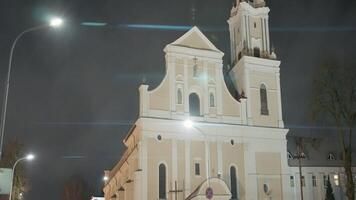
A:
(255, 71)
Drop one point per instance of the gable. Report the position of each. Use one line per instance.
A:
(194, 38)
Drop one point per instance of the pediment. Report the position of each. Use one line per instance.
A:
(194, 38)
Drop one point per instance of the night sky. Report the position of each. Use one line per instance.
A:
(74, 91)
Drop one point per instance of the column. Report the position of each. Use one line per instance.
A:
(187, 167)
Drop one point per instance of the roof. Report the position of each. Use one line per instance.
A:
(194, 38)
(318, 144)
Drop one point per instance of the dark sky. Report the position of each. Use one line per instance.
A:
(74, 91)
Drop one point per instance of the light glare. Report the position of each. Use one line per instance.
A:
(105, 178)
(188, 123)
(30, 157)
(56, 22)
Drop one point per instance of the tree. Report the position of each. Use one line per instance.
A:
(334, 96)
(13, 151)
(329, 195)
(76, 189)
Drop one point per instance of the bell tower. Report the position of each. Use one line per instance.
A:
(255, 71)
(249, 30)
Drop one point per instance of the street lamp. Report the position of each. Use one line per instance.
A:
(29, 157)
(54, 23)
(189, 124)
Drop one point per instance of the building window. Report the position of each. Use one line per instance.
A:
(336, 179)
(194, 104)
(162, 181)
(263, 99)
(314, 181)
(179, 96)
(159, 137)
(256, 52)
(303, 181)
(325, 180)
(232, 142)
(233, 181)
(254, 25)
(291, 180)
(212, 100)
(290, 156)
(331, 156)
(197, 169)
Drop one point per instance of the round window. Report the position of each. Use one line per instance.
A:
(159, 137)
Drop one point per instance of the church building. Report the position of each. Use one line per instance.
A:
(193, 139)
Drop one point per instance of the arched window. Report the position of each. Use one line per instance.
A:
(233, 181)
(162, 181)
(212, 100)
(263, 98)
(194, 104)
(256, 52)
(179, 96)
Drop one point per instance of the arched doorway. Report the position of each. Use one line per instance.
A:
(194, 104)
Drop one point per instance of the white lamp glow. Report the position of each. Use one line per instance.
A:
(56, 22)
(30, 157)
(105, 178)
(188, 123)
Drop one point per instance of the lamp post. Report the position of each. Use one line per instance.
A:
(189, 125)
(29, 157)
(55, 22)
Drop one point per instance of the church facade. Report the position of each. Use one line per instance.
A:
(194, 139)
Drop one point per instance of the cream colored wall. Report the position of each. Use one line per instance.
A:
(213, 159)
(120, 177)
(268, 168)
(181, 166)
(255, 32)
(194, 41)
(158, 151)
(231, 107)
(264, 120)
(268, 163)
(159, 98)
(197, 155)
(269, 79)
(208, 80)
(234, 155)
